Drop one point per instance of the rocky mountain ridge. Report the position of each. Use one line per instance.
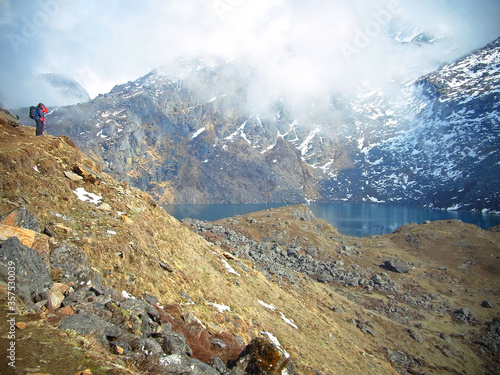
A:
(442, 161)
(281, 280)
(197, 132)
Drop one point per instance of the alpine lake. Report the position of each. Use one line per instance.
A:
(357, 220)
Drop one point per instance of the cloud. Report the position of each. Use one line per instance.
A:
(301, 47)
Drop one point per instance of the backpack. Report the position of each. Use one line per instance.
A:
(33, 112)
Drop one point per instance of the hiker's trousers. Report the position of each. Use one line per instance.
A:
(39, 126)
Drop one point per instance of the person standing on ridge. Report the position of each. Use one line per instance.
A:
(40, 118)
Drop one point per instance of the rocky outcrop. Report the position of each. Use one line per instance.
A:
(32, 279)
(8, 118)
(279, 260)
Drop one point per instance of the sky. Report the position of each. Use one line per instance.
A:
(302, 47)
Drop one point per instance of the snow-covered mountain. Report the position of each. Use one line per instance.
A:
(450, 157)
(193, 132)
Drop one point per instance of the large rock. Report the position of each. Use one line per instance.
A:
(21, 218)
(68, 258)
(174, 343)
(26, 236)
(8, 118)
(262, 357)
(183, 365)
(86, 324)
(56, 295)
(397, 265)
(32, 279)
(69, 264)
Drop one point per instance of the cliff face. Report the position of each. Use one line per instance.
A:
(196, 132)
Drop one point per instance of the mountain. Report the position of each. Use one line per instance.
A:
(106, 282)
(449, 158)
(201, 131)
(60, 90)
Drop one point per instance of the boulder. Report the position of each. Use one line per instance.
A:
(397, 265)
(262, 357)
(69, 260)
(26, 236)
(182, 364)
(141, 308)
(32, 279)
(488, 305)
(86, 324)
(193, 324)
(86, 173)
(73, 176)
(21, 218)
(174, 343)
(325, 277)
(56, 295)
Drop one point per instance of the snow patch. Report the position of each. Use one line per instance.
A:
(84, 196)
(220, 307)
(288, 321)
(198, 132)
(126, 295)
(267, 306)
(226, 264)
(229, 268)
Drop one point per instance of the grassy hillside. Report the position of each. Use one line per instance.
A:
(326, 328)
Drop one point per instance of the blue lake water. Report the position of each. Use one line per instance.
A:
(350, 219)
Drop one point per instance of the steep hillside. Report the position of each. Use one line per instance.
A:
(157, 296)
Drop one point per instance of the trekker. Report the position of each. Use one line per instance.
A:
(40, 118)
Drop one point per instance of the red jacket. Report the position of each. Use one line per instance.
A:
(40, 111)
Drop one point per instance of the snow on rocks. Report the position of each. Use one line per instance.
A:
(85, 196)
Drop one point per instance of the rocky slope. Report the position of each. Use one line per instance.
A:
(135, 291)
(202, 131)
